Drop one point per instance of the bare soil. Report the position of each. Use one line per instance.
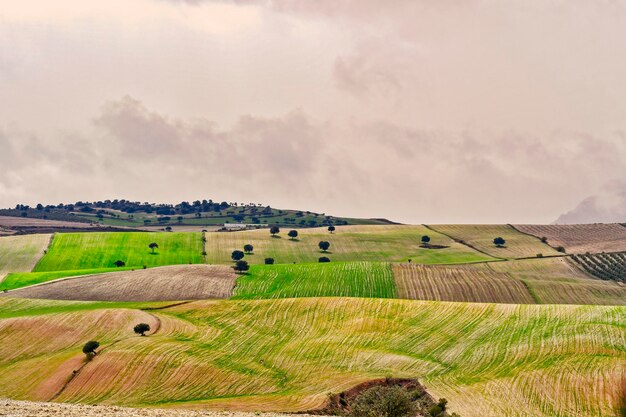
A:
(168, 283)
(35, 409)
(10, 225)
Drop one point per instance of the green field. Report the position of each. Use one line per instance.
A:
(23, 279)
(348, 243)
(343, 279)
(73, 251)
(286, 354)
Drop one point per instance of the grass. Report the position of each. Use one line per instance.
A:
(24, 279)
(21, 253)
(518, 245)
(73, 251)
(347, 279)
(286, 354)
(349, 243)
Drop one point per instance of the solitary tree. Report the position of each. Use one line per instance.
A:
(269, 261)
(142, 328)
(331, 229)
(323, 259)
(248, 248)
(120, 263)
(425, 239)
(274, 230)
(293, 234)
(237, 255)
(241, 266)
(153, 246)
(90, 349)
(499, 242)
(324, 245)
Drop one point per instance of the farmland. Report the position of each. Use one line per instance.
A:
(607, 266)
(581, 238)
(286, 354)
(186, 282)
(558, 281)
(347, 279)
(348, 243)
(466, 283)
(21, 253)
(72, 251)
(518, 245)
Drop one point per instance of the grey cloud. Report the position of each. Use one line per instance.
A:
(609, 206)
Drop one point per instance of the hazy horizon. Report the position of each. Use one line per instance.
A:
(415, 111)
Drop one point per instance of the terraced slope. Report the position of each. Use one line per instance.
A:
(607, 266)
(72, 251)
(178, 282)
(286, 354)
(581, 238)
(21, 253)
(468, 283)
(393, 243)
(557, 281)
(339, 279)
(518, 245)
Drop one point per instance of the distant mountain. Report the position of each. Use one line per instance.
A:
(606, 207)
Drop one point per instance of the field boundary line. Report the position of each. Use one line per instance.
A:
(535, 236)
(463, 242)
(45, 252)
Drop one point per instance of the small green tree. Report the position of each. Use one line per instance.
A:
(499, 242)
(141, 328)
(425, 239)
(237, 255)
(382, 401)
(331, 229)
(269, 261)
(324, 245)
(274, 230)
(119, 263)
(292, 234)
(90, 349)
(248, 248)
(153, 246)
(241, 266)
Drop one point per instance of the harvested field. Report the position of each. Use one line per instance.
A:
(468, 283)
(581, 238)
(21, 253)
(179, 282)
(338, 279)
(558, 281)
(518, 245)
(10, 222)
(71, 251)
(391, 243)
(39, 409)
(287, 354)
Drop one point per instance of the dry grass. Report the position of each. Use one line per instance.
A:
(558, 281)
(21, 253)
(518, 245)
(178, 282)
(581, 238)
(468, 283)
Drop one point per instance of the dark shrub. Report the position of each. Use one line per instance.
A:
(560, 249)
(142, 328)
(269, 261)
(248, 248)
(323, 259)
(237, 255)
(499, 241)
(383, 401)
(90, 348)
(241, 266)
(324, 245)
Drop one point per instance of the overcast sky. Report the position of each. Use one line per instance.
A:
(418, 111)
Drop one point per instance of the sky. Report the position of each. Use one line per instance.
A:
(418, 111)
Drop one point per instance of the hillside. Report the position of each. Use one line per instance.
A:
(287, 354)
(200, 214)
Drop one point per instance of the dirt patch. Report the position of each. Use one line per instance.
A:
(10, 225)
(580, 238)
(169, 283)
(38, 409)
(340, 404)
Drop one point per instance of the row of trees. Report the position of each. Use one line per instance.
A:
(274, 230)
(90, 348)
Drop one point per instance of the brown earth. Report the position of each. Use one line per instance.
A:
(581, 238)
(37, 409)
(10, 225)
(168, 283)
